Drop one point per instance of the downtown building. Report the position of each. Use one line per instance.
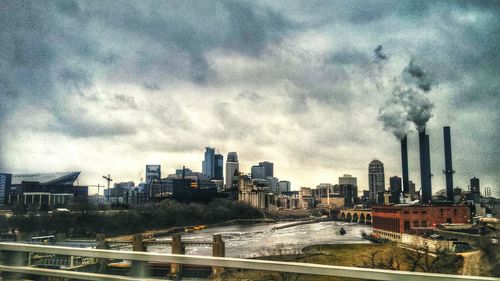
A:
(213, 165)
(376, 181)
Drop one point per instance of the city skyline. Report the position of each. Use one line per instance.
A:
(107, 89)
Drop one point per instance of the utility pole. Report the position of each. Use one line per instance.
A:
(108, 179)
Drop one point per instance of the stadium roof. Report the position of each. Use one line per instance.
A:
(47, 178)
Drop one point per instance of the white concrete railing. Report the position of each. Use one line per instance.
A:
(264, 265)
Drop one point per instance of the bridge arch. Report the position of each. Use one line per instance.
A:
(349, 217)
(368, 219)
(355, 217)
(342, 216)
(362, 218)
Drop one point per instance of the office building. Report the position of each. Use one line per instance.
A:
(219, 167)
(232, 169)
(376, 179)
(5, 183)
(208, 165)
(348, 179)
(268, 168)
(395, 187)
(273, 184)
(284, 186)
(258, 172)
(153, 173)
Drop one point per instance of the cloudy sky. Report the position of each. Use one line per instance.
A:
(317, 87)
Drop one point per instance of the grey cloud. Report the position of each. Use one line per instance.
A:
(415, 74)
(251, 96)
(151, 86)
(79, 125)
(126, 100)
(349, 56)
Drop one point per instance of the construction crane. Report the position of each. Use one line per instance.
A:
(108, 179)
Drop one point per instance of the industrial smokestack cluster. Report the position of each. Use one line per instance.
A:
(425, 165)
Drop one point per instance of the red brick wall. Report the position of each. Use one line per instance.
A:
(393, 218)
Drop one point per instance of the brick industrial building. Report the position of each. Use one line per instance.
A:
(392, 221)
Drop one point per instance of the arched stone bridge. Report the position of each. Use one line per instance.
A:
(356, 215)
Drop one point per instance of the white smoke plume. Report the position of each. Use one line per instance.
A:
(408, 102)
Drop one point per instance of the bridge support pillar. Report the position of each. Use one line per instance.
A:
(178, 249)
(139, 268)
(218, 250)
(101, 244)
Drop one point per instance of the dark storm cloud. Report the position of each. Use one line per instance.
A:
(80, 124)
(101, 66)
(53, 49)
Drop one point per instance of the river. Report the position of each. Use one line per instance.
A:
(246, 241)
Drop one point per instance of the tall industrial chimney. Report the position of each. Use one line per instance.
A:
(428, 166)
(425, 175)
(404, 164)
(448, 167)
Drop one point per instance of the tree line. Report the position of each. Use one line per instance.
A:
(87, 220)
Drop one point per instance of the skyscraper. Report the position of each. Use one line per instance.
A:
(395, 186)
(232, 166)
(208, 165)
(376, 179)
(268, 168)
(5, 183)
(219, 167)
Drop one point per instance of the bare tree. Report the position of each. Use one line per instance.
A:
(441, 260)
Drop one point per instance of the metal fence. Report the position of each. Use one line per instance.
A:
(264, 265)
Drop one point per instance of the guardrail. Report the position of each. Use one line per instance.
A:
(219, 262)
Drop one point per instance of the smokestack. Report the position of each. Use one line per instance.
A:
(423, 140)
(404, 164)
(448, 167)
(428, 166)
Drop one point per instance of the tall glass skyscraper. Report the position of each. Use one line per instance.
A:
(208, 164)
(5, 183)
(219, 167)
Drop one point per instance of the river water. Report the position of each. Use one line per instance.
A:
(245, 241)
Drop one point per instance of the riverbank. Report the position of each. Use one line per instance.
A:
(386, 256)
